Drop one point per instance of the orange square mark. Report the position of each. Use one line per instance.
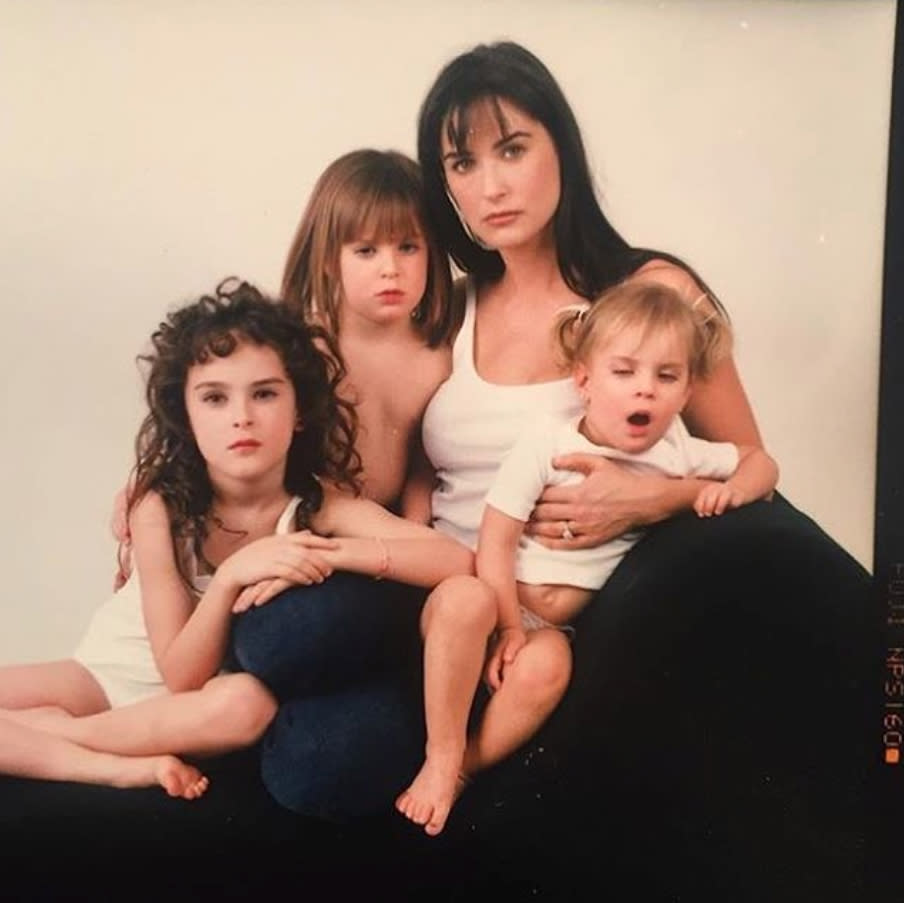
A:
(892, 756)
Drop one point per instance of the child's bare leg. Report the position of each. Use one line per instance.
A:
(33, 717)
(457, 619)
(531, 688)
(29, 753)
(229, 712)
(65, 684)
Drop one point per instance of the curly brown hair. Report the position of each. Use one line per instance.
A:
(168, 460)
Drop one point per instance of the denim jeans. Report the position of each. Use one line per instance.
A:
(342, 658)
(346, 754)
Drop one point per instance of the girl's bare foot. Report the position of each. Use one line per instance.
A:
(176, 777)
(432, 793)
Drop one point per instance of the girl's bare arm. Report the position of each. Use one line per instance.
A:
(168, 605)
(754, 478)
(189, 640)
(496, 551)
(418, 489)
(372, 540)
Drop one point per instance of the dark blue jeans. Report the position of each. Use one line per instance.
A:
(343, 659)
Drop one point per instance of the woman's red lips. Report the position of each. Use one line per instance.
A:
(245, 443)
(501, 218)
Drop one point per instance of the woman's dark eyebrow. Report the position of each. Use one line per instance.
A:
(505, 139)
(511, 136)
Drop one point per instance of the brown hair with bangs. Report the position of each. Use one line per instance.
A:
(373, 195)
(652, 307)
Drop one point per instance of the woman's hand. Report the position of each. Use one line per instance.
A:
(119, 522)
(509, 642)
(124, 568)
(119, 527)
(293, 557)
(608, 502)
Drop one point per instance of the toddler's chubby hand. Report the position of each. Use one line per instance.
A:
(509, 642)
(716, 498)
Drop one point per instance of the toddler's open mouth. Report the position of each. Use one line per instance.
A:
(639, 418)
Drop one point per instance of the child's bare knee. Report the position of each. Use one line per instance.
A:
(244, 704)
(543, 672)
(463, 602)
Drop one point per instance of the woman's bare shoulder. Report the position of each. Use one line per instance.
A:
(675, 277)
(668, 273)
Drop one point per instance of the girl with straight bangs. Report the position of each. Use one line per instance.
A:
(367, 209)
(365, 266)
(377, 195)
(245, 483)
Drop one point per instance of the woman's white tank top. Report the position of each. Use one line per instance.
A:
(471, 424)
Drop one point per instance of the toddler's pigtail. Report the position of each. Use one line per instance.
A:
(569, 332)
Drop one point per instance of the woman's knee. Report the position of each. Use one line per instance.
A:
(461, 603)
(265, 638)
(323, 636)
(344, 755)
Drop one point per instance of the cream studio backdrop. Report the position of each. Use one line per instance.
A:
(150, 149)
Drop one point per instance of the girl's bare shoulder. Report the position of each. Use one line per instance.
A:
(337, 507)
(437, 362)
(420, 368)
(149, 510)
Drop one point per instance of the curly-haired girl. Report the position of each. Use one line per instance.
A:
(226, 509)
